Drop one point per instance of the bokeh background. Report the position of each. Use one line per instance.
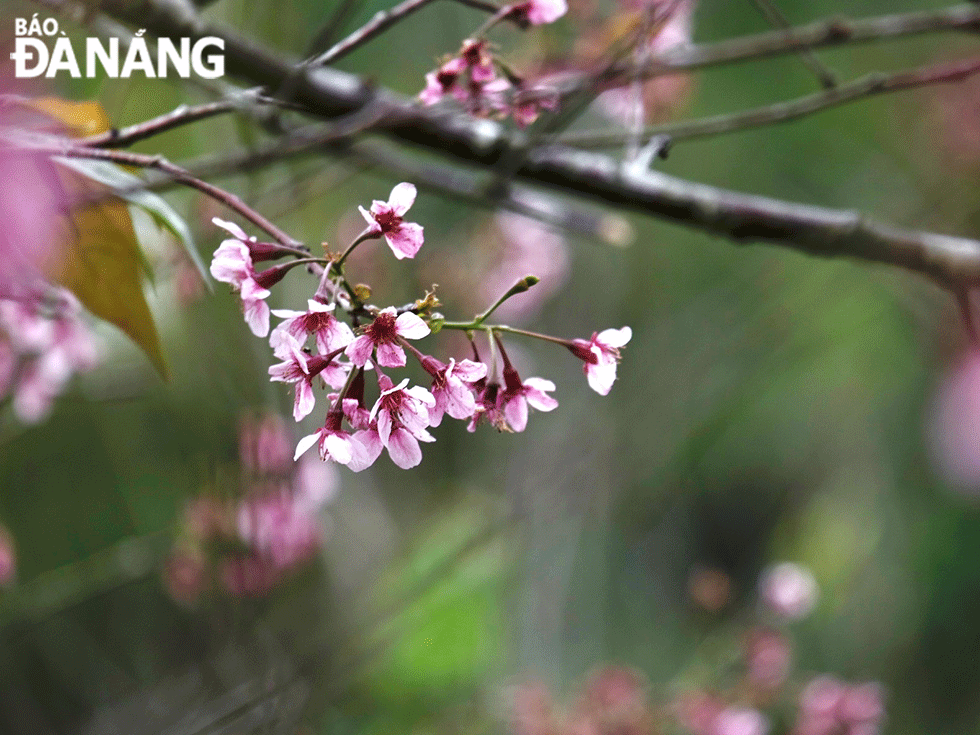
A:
(770, 407)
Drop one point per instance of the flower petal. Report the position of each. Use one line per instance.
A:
(360, 350)
(305, 443)
(411, 326)
(390, 355)
(614, 337)
(402, 197)
(406, 240)
(404, 450)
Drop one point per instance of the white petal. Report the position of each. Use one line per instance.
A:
(614, 337)
(410, 326)
(402, 197)
(305, 443)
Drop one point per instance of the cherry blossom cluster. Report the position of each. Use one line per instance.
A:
(616, 700)
(486, 87)
(246, 545)
(339, 340)
(44, 341)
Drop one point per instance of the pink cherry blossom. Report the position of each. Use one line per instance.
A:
(487, 406)
(445, 80)
(232, 264)
(403, 415)
(318, 320)
(385, 219)
(601, 355)
(449, 387)
(295, 369)
(539, 12)
(517, 395)
(335, 443)
(383, 334)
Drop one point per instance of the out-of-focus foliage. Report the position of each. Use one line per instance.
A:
(769, 406)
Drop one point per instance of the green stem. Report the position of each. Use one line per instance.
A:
(491, 329)
(368, 234)
(520, 287)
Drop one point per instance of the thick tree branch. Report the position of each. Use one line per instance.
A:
(743, 218)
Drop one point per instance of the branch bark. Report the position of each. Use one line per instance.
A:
(954, 262)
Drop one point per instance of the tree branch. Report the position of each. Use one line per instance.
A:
(867, 86)
(382, 21)
(775, 16)
(743, 218)
(70, 149)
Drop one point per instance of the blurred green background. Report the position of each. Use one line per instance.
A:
(770, 406)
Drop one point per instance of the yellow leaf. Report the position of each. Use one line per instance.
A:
(97, 256)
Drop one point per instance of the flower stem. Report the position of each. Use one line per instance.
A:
(520, 287)
(368, 234)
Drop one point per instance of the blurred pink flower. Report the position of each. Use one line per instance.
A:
(276, 528)
(539, 12)
(265, 445)
(828, 706)
(185, 576)
(528, 247)
(739, 721)
(768, 658)
(43, 343)
(385, 219)
(789, 590)
(955, 430)
(8, 558)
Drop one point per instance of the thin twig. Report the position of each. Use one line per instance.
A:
(382, 21)
(866, 86)
(69, 149)
(775, 16)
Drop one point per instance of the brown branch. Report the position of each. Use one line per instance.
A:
(70, 149)
(743, 218)
(382, 21)
(775, 16)
(867, 86)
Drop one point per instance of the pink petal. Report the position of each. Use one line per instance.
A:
(601, 377)
(373, 225)
(406, 240)
(367, 448)
(338, 448)
(402, 197)
(305, 400)
(384, 426)
(515, 411)
(535, 393)
(390, 355)
(411, 326)
(305, 443)
(257, 316)
(614, 337)
(469, 371)
(359, 351)
(460, 403)
(230, 227)
(404, 450)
